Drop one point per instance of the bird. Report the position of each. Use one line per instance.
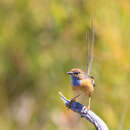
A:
(82, 81)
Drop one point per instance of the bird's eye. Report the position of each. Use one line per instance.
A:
(76, 72)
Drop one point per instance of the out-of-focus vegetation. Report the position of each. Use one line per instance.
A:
(40, 40)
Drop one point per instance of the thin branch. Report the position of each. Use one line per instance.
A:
(88, 114)
(123, 117)
(92, 46)
(87, 39)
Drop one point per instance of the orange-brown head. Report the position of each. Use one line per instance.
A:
(77, 75)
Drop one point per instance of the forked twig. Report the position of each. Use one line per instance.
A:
(88, 114)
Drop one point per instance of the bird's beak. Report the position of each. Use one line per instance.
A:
(70, 73)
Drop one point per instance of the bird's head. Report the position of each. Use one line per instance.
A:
(77, 73)
(80, 75)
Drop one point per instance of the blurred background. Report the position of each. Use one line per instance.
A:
(41, 40)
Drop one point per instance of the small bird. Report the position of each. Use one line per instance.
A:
(82, 81)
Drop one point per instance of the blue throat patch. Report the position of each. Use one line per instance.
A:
(75, 81)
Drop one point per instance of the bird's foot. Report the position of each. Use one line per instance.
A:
(73, 100)
(70, 104)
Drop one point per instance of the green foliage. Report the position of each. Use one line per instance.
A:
(41, 40)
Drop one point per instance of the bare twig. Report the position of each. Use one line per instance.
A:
(123, 117)
(88, 114)
(87, 39)
(92, 47)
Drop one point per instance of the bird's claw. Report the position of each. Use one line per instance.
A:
(73, 100)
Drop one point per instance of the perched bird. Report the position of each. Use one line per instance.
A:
(82, 81)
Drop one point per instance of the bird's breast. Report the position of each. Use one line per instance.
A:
(75, 82)
(84, 85)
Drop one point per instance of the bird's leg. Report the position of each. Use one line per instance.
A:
(89, 102)
(72, 100)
